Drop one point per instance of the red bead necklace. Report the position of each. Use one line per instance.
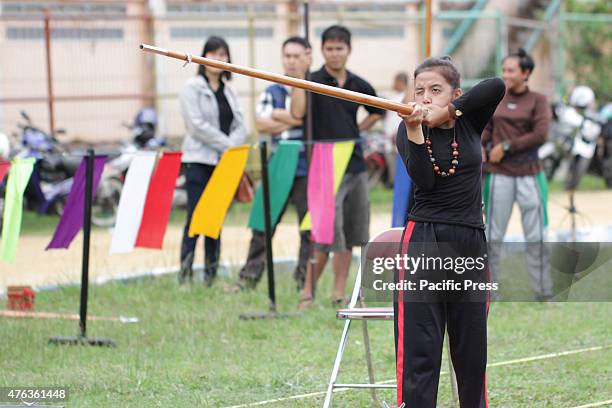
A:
(454, 156)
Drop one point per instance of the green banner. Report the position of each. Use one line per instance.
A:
(18, 178)
(281, 172)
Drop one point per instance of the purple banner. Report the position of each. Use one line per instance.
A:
(72, 218)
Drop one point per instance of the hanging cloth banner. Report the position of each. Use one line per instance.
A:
(158, 203)
(74, 210)
(341, 156)
(321, 203)
(131, 203)
(402, 190)
(281, 174)
(216, 198)
(18, 178)
(4, 168)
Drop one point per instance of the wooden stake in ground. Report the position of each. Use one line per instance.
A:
(66, 316)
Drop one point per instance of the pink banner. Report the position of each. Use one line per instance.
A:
(321, 198)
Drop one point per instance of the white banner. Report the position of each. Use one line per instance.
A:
(132, 201)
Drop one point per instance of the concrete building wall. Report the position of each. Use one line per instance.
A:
(97, 62)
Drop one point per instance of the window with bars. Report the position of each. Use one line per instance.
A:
(68, 33)
(389, 31)
(387, 7)
(226, 32)
(14, 7)
(219, 9)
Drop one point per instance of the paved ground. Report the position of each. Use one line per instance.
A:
(34, 266)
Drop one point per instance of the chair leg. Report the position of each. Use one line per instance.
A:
(336, 369)
(366, 343)
(453, 376)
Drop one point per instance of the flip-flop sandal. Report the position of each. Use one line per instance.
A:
(340, 302)
(305, 303)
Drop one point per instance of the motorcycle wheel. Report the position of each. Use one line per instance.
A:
(550, 167)
(374, 176)
(58, 206)
(606, 170)
(104, 207)
(577, 169)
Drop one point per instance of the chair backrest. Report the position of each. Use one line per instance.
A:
(385, 244)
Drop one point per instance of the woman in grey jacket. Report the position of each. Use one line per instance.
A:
(213, 123)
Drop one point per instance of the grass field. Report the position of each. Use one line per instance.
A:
(191, 350)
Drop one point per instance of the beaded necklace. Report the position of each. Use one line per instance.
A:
(454, 155)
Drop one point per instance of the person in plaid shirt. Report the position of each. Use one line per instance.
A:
(274, 117)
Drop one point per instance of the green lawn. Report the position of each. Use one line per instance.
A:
(190, 349)
(587, 183)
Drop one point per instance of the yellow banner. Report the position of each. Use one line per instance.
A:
(216, 198)
(342, 156)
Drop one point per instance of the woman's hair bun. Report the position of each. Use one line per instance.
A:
(446, 58)
(521, 53)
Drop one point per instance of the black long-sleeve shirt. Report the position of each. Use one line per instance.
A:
(334, 118)
(456, 199)
(226, 115)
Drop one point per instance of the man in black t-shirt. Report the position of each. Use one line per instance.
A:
(333, 120)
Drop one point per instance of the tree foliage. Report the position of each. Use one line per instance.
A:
(589, 48)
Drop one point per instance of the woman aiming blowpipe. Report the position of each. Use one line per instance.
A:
(286, 80)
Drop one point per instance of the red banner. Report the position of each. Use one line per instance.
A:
(4, 168)
(158, 204)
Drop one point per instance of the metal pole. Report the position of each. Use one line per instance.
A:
(252, 96)
(310, 265)
(148, 82)
(268, 237)
(86, 241)
(422, 29)
(562, 51)
(158, 12)
(82, 338)
(499, 53)
(427, 28)
(268, 224)
(49, 74)
(308, 94)
(553, 37)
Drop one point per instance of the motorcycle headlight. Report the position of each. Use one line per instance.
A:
(570, 117)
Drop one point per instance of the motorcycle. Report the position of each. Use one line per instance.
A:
(601, 165)
(54, 170)
(142, 137)
(52, 177)
(378, 155)
(560, 139)
(581, 137)
(586, 133)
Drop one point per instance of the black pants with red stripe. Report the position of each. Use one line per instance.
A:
(420, 326)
